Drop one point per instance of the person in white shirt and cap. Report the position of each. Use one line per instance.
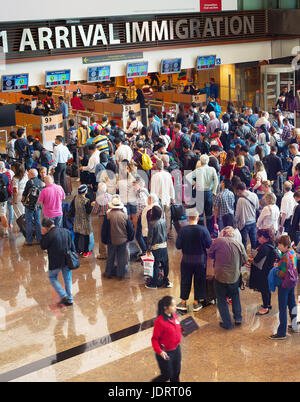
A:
(206, 180)
(61, 155)
(288, 204)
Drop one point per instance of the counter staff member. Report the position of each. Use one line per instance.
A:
(166, 339)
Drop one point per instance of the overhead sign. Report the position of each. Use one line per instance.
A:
(112, 57)
(210, 5)
(58, 38)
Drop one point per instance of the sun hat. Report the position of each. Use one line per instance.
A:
(116, 202)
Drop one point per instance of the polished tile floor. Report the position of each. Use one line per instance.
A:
(100, 339)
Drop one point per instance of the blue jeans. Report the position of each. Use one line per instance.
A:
(286, 298)
(33, 218)
(139, 236)
(231, 290)
(10, 211)
(249, 229)
(58, 221)
(67, 276)
(120, 253)
(91, 242)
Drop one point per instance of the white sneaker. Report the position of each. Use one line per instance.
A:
(169, 285)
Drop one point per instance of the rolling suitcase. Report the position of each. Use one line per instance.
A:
(210, 292)
(68, 185)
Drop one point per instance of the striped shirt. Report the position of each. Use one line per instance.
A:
(102, 204)
(101, 143)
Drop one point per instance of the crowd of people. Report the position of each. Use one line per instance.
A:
(218, 177)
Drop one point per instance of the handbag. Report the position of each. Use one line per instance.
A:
(72, 260)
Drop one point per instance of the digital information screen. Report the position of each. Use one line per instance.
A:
(206, 62)
(12, 83)
(57, 78)
(170, 66)
(98, 74)
(135, 70)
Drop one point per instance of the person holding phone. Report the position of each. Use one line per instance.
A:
(166, 340)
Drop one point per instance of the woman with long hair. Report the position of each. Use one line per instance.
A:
(19, 182)
(264, 140)
(228, 166)
(258, 153)
(259, 177)
(166, 340)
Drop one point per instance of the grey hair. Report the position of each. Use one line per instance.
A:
(34, 172)
(2, 166)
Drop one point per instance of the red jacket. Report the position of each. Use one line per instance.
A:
(166, 334)
(76, 103)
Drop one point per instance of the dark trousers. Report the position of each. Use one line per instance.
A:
(188, 271)
(81, 243)
(60, 175)
(266, 298)
(170, 369)
(204, 205)
(154, 79)
(231, 290)
(161, 265)
(120, 254)
(287, 225)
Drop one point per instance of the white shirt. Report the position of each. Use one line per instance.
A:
(61, 154)
(123, 152)
(288, 204)
(93, 162)
(135, 125)
(162, 186)
(110, 179)
(269, 218)
(206, 179)
(126, 190)
(296, 160)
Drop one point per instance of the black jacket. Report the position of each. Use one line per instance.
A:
(157, 233)
(295, 223)
(273, 165)
(57, 242)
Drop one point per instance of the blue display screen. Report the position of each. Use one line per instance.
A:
(170, 66)
(57, 78)
(206, 62)
(18, 82)
(135, 70)
(98, 74)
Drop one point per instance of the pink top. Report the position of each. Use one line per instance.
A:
(51, 197)
(296, 180)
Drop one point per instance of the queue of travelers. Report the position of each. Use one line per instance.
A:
(221, 179)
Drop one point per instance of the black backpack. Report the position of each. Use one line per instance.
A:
(32, 197)
(245, 176)
(194, 160)
(3, 189)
